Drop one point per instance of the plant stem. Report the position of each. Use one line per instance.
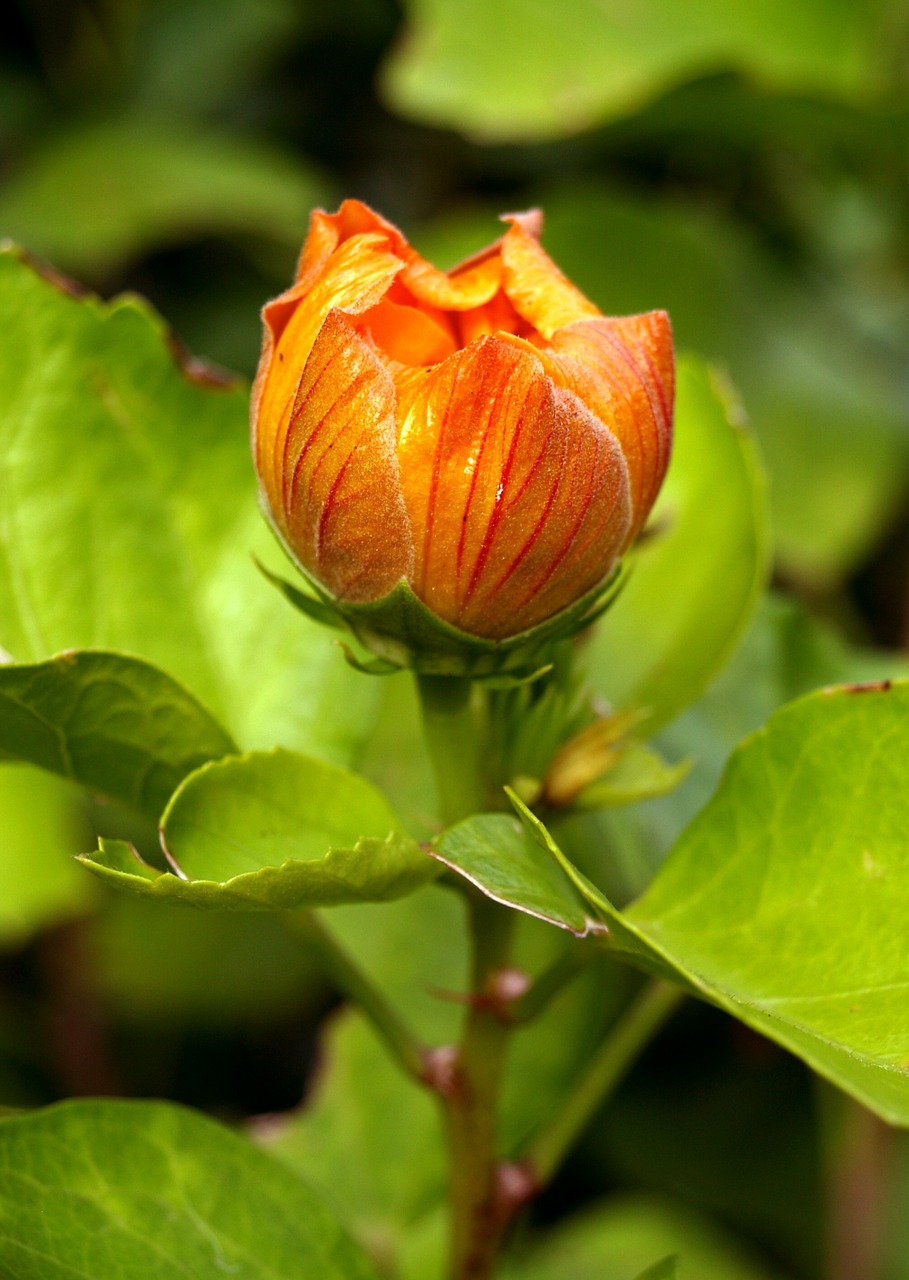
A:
(403, 1044)
(607, 1068)
(451, 741)
(482, 1198)
(478, 1217)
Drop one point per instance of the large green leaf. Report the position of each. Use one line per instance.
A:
(273, 831)
(39, 828)
(502, 69)
(784, 902)
(150, 1191)
(674, 625)
(128, 514)
(112, 723)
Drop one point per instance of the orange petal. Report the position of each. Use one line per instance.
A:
(518, 496)
(339, 503)
(536, 287)
(406, 334)
(328, 230)
(623, 370)
(354, 277)
(460, 290)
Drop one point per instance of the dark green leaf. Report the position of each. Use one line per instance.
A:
(163, 967)
(273, 831)
(667, 1269)
(149, 1191)
(112, 723)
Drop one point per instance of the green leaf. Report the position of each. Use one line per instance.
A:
(617, 1238)
(273, 831)
(503, 70)
(128, 519)
(783, 902)
(416, 949)
(695, 582)
(39, 828)
(102, 193)
(112, 723)
(363, 1109)
(785, 653)
(512, 863)
(150, 1191)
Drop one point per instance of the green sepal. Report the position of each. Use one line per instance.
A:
(370, 667)
(314, 607)
(404, 632)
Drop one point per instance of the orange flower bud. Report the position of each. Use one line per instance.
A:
(484, 436)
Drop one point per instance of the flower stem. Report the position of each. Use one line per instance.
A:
(609, 1065)
(405, 1048)
(451, 740)
(478, 1217)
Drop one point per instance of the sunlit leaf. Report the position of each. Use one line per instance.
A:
(128, 517)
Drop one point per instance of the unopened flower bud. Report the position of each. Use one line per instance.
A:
(481, 445)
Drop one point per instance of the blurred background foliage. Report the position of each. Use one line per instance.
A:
(745, 166)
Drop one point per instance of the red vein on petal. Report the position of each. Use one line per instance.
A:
(538, 586)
